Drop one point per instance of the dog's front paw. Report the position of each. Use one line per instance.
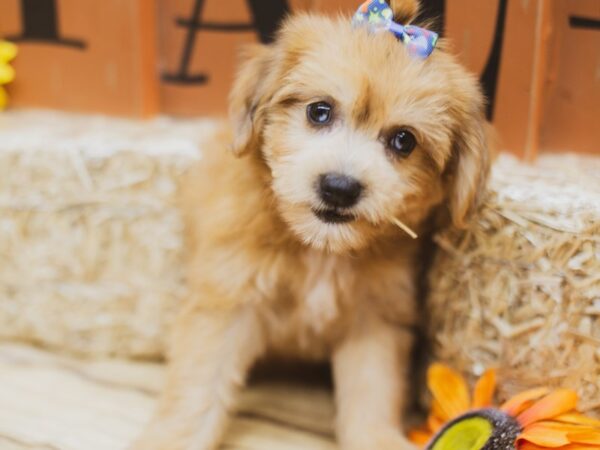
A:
(150, 442)
(164, 436)
(158, 441)
(146, 442)
(378, 440)
(395, 442)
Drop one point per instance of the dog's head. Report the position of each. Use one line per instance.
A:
(357, 132)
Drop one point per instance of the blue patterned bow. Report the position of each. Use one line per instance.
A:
(378, 16)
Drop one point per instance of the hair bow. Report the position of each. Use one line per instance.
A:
(378, 16)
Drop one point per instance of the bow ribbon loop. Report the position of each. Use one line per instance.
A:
(378, 16)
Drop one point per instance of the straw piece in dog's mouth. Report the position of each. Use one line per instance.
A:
(404, 227)
(333, 216)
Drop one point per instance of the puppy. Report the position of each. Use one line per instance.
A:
(338, 133)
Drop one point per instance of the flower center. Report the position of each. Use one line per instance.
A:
(485, 429)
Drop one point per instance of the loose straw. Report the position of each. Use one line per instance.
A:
(404, 227)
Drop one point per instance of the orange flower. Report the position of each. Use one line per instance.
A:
(533, 420)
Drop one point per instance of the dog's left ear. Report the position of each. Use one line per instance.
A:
(246, 108)
(470, 164)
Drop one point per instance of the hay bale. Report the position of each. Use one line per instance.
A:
(520, 289)
(90, 233)
(91, 249)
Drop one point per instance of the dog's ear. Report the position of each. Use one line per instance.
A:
(405, 11)
(246, 107)
(470, 163)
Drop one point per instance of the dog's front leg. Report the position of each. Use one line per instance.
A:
(370, 368)
(210, 355)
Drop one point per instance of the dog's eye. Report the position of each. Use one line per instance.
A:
(319, 113)
(403, 142)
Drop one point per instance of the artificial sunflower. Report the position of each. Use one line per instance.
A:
(537, 419)
(7, 53)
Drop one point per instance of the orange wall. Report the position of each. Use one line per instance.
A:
(104, 60)
(547, 94)
(571, 112)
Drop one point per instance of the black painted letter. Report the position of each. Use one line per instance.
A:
(435, 9)
(267, 15)
(40, 24)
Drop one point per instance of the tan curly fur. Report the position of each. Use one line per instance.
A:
(269, 276)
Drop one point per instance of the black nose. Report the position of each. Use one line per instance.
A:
(340, 191)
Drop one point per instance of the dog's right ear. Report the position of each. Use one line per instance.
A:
(246, 107)
(405, 11)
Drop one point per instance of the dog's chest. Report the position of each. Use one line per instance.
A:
(319, 296)
(311, 304)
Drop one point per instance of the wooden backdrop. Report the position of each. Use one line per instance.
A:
(539, 60)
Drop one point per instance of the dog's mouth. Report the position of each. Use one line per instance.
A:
(333, 215)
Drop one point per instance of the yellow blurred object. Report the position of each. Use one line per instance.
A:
(8, 51)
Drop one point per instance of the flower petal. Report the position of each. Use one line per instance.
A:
(569, 427)
(434, 423)
(526, 445)
(436, 409)
(420, 437)
(545, 436)
(553, 404)
(591, 436)
(449, 389)
(577, 418)
(579, 447)
(514, 406)
(484, 390)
